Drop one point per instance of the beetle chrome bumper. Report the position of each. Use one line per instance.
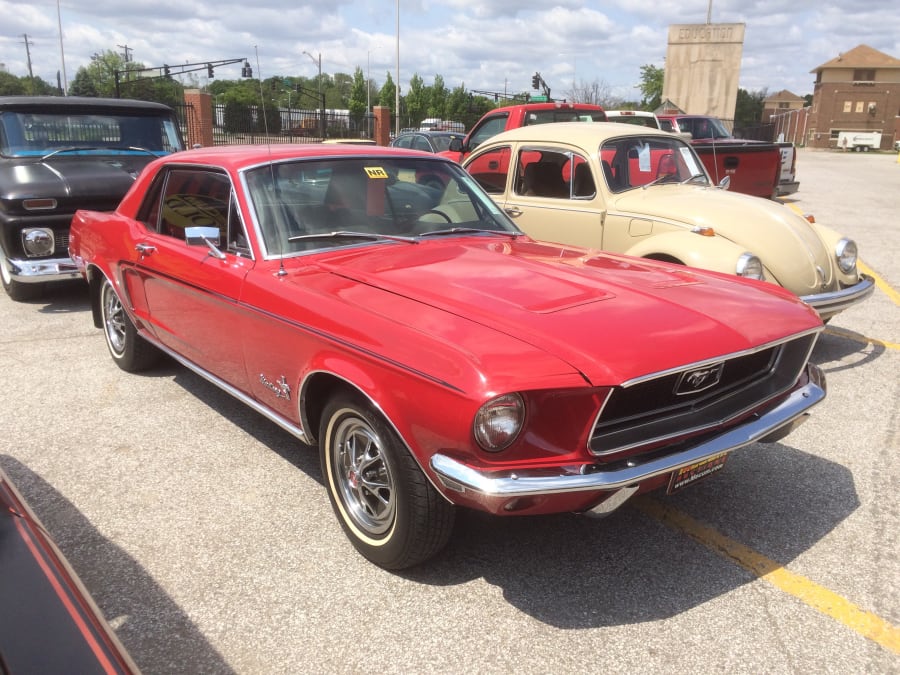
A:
(767, 427)
(829, 304)
(40, 270)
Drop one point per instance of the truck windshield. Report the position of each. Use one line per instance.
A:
(24, 134)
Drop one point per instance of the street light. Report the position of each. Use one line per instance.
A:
(318, 62)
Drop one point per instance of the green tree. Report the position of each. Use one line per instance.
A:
(651, 86)
(416, 101)
(357, 102)
(748, 108)
(387, 95)
(437, 98)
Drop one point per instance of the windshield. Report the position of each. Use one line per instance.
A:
(305, 205)
(637, 161)
(24, 134)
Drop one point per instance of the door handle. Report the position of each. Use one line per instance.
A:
(145, 249)
(513, 211)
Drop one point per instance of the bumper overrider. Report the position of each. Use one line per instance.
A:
(40, 270)
(829, 304)
(622, 482)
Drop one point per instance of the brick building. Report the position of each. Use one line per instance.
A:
(858, 91)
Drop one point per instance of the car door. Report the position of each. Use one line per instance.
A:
(192, 292)
(551, 193)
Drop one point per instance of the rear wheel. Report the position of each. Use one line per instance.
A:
(129, 350)
(385, 504)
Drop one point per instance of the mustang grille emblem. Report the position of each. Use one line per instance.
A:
(699, 379)
(281, 388)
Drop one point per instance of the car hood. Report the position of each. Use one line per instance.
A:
(612, 318)
(64, 176)
(785, 241)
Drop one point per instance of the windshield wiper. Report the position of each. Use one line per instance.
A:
(346, 234)
(692, 178)
(467, 230)
(77, 148)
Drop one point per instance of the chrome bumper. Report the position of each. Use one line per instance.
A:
(769, 426)
(829, 304)
(41, 270)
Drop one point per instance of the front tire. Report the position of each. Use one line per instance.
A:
(16, 290)
(128, 349)
(384, 502)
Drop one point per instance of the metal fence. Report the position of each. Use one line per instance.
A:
(238, 124)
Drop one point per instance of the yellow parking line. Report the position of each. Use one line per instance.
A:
(812, 594)
(862, 339)
(879, 282)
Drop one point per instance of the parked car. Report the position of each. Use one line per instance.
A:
(377, 303)
(646, 193)
(59, 154)
(49, 622)
(641, 118)
(427, 141)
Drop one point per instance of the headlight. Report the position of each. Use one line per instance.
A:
(845, 252)
(38, 241)
(749, 267)
(499, 421)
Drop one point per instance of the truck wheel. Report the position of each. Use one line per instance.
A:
(16, 290)
(385, 504)
(130, 351)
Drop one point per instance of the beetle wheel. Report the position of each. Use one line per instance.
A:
(385, 504)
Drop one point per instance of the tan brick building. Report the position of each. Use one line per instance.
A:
(859, 91)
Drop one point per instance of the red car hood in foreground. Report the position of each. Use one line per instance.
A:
(612, 318)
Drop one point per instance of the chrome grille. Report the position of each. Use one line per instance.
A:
(659, 410)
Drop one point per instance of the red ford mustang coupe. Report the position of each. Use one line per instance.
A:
(377, 303)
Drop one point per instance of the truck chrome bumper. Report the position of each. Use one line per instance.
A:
(767, 427)
(829, 304)
(41, 270)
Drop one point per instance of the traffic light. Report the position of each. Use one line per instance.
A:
(536, 81)
(166, 70)
(209, 70)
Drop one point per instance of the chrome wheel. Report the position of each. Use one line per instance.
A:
(113, 320)
(363, 476)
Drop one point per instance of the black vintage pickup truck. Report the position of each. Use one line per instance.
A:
(59, 154)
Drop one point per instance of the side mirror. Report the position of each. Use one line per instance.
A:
(456, 145)
(205, 236)
(724, 183)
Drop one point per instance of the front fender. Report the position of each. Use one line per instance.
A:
(710, 253)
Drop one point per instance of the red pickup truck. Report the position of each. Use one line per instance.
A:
(515, 116)
(754, 167)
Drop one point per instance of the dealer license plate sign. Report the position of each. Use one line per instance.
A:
(693, 472)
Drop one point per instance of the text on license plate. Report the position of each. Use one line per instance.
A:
(694, 472)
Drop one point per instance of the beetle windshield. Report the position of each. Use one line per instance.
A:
(637, 161)
(297, 204)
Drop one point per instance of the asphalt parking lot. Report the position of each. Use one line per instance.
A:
(206, 537)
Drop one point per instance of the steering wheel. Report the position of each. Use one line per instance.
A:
(437, 213)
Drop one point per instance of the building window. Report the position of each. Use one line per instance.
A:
(859, 106)
(864, 75)
(848, 106)
(784, 104)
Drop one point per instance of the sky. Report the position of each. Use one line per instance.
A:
(494, 45)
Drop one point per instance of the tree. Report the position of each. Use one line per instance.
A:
(597, 92)
(437, 99)
(387, 95)
(651, 86)
(416, 101)
(357, 102)
(748, 108)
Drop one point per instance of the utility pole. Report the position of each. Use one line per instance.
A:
(28, 43)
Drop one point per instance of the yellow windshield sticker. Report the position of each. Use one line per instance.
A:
(376, 172)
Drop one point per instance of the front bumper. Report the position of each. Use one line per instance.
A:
(834, 302)
(39, 270)
(497, 487)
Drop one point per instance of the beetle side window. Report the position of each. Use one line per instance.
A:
(554, 174)
(490, 169)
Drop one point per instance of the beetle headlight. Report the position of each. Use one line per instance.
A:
(38, 241)
(499, 421)
(846, 253)
(749, 267)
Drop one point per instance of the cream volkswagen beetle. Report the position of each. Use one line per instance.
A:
(644, 192)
